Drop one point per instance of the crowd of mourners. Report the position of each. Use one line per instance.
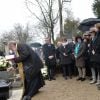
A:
(80, 57)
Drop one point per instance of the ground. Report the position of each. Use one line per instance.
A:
(61, 89)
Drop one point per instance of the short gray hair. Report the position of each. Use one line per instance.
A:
(12, 42)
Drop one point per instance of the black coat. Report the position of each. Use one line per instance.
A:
(68, 51)
(57, 53)
(49, 50)
(95, 45)
(31, 61)
(1, 53)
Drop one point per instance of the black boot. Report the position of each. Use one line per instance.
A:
(79, 78)
(83, 79)
(26, 98)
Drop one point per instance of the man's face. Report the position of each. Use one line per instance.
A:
(47, 41)
(12, 47)
(79, 40)
(92, 35)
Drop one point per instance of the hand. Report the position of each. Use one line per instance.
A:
(75, 57)
(64, 54)
(10, 69)
(50, 57)
(93, 52)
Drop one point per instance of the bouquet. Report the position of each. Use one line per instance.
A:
(3, 63)
(44, 72)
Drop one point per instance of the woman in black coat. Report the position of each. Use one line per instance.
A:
(65, 58)
(95, 52)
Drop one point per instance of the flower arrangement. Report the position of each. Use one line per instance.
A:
(44, 72)
(3, 63)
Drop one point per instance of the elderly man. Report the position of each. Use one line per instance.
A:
(32, 65)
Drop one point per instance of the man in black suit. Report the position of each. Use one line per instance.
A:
(32, 65)
(49, 53)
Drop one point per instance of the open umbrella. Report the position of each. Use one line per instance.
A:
(36, 45)
(84, 28)
(86, 24)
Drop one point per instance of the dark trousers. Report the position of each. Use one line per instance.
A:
(88, 69)
(96, 67)
(67, 70)
(51, 71)
(32, 84)
(74, 68)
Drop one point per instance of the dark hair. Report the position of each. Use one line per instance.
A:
(78, 37)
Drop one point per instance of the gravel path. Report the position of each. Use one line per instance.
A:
(61, 89)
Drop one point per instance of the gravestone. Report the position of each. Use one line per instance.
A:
(4, 90)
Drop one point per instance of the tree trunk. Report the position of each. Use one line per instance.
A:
(61, 19)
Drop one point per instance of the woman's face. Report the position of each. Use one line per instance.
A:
(85, 40)
(79, 40)
(92, 35)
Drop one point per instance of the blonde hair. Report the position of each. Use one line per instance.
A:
(97, 26)
(93, 30)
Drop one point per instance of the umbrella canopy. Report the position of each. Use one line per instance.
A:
(86, 24)
(84, 28)
(36, 45)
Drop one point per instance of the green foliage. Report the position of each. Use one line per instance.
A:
(71, 27)
(96, 8)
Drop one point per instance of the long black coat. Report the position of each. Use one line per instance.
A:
(49, 50)
(95, 45)
(31, 61)
(68, 51)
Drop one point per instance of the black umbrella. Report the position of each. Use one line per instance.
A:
(36, 45)
(84, 28)
(86, 24)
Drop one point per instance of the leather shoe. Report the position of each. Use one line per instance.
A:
(80, 78)
(83, 79)
(26, 98)
(53, 78)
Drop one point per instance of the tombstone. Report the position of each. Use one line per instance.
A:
(4, 90)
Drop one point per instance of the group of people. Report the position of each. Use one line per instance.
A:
(80, 57)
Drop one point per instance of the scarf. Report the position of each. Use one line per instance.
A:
(20, 68)
(77, 47)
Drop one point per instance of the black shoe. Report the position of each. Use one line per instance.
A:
(65, 78)
(49, 79)
(26, 98)
(78, 79)
(83, 79)
(70, 77)
(53, 78)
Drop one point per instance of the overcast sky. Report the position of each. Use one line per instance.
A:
(14, 11)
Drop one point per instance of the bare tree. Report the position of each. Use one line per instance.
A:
(71, 25)
(47, 19)
(19, 33)
(60, 2)
(22, 34)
